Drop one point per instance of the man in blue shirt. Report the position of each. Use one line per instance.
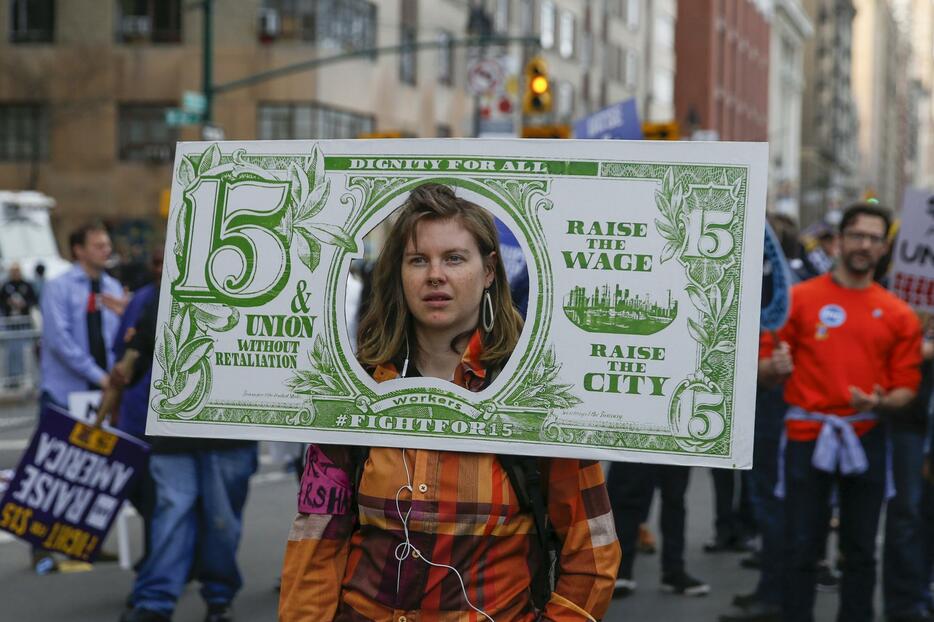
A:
(80, 313)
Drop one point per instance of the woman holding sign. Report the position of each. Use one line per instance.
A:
(387, 534)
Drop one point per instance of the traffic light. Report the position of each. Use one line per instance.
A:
(537, 98)
(661, 131)
(165, 196)
(383, 134)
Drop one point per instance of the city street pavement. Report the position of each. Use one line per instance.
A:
(98, 595)
(17, 420)
(721, 570)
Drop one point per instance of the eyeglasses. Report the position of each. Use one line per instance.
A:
(858, 236)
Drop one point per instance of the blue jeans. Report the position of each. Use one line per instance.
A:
(199, 504)
(927, 519)
(769, 511)
(630, 487)
(904, 578)
(807, 494)
(16, 358)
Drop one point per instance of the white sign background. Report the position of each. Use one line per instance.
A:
(913, 258)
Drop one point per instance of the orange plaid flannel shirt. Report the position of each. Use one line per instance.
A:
(464, 514)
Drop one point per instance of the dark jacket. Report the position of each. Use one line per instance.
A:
(914, 416)
(144, 341)
(17, 298)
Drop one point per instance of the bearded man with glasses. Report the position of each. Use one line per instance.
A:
(850, 356)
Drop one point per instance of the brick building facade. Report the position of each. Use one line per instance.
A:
(722, 75)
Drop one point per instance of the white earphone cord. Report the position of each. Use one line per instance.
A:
(405, 548)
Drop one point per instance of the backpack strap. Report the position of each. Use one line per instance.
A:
(358, 456)
(525, 477)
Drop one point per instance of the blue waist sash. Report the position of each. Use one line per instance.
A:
(837, 444)
(837, 448)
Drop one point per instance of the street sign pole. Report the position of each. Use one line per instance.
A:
(207, 61)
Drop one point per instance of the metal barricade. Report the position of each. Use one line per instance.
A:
(19, 350)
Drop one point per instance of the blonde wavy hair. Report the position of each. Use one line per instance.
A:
(388, 322)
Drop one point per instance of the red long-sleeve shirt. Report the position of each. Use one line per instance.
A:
(841, 337)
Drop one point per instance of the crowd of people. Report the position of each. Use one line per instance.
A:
(192, 495)
(842, 432)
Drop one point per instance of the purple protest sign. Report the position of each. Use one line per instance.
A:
(70, 484)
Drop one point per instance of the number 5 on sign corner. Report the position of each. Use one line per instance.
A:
(709, 234)
(697, 412)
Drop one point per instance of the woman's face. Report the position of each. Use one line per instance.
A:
(443, 277)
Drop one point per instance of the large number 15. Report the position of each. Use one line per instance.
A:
(709, 234)
(245, 261)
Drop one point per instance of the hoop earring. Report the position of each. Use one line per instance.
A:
(405, 365)
(487, 315)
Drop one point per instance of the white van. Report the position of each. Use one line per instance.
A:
(26, 234)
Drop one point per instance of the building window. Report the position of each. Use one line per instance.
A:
(566, 35)
(501, 17)
(789, 60)
(587, 37)
(547, 23)
(663, 87)
(144, 135)
(632, 13)
(613, 56)
(446, 58)
(343, 24)
(565, 101)
(149, 21)
(664, 31)
(526, 16)
(348, 25)
(288, 19)
(24, 132)
(32, 21)
(303, 121)
(408, 56)
(631, 69)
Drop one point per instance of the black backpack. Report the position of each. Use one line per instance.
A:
(526, 480)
